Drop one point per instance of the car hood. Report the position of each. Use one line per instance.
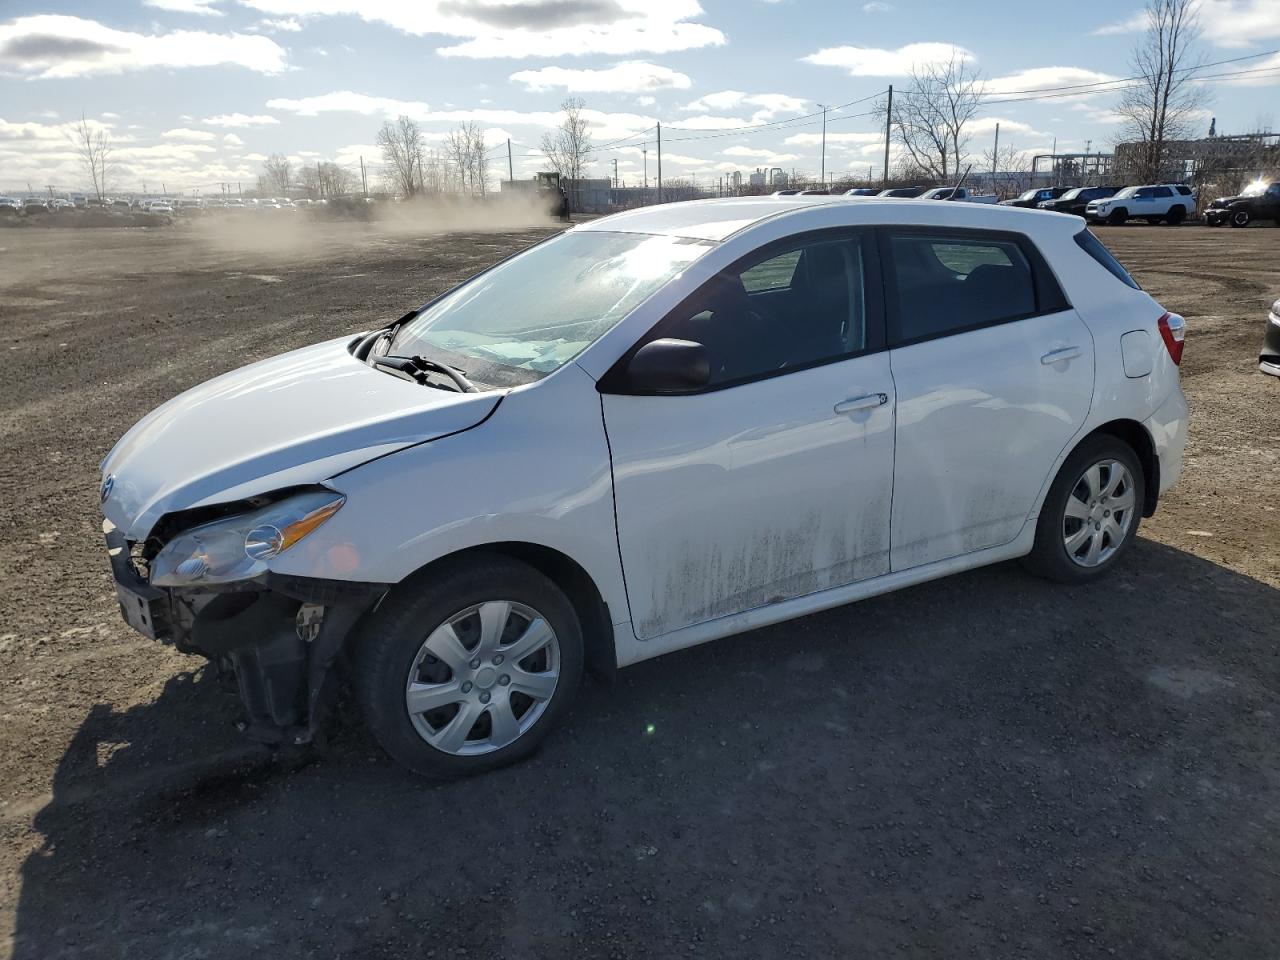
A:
(299, 418)
(1223, 201)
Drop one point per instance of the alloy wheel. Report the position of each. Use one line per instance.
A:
(1099, 513)
(483, 678)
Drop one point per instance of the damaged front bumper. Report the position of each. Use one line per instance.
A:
(278, 635)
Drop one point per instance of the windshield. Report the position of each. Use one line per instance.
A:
(1072, 194)
(540, 309)
(1255, 189)
(1029, 194)
(1127, 192)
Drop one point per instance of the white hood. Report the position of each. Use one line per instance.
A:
(298, 418)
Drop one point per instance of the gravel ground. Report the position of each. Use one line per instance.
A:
(985, 766)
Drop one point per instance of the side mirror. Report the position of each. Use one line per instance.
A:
(669, 366)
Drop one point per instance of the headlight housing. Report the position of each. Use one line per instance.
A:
(238, 547)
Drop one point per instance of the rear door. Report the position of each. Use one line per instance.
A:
(775, 480)
(994, 374)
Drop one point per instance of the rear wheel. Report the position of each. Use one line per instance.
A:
(1091, 513)
(471, 670)
(1240, 218)
(1176, 216)
(1117, 218)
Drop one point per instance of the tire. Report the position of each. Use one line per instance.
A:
(1117, 218)
(393, 646)
(1239, 218)
(1176, 216)
(1051, 557)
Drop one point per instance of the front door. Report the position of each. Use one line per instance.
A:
(994, 375)
(775, 480)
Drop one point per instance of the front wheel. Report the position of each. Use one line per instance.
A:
(1091, 514)
(471, 669)
(1117, 218)
(1240, 218)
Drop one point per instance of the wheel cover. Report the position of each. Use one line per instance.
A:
(1240, 217)
(483, 678)
(1099, 513)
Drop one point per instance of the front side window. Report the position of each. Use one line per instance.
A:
(949, 283)
(537, 311)
(792, 306)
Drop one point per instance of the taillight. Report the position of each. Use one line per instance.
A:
(1173, 329)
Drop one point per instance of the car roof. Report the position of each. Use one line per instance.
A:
(719, 219)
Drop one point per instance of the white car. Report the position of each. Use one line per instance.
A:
(959, 194)
(1157, 203)
(653, 430)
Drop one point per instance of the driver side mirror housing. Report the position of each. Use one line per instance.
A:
(669, 366)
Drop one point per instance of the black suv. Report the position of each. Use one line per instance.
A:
(1035, 196)
(1074, 201)
(1258, 201)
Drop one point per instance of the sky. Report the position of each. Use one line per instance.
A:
(197, 93)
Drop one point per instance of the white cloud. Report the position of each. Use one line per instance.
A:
(240, 120)
(284, 25)
(984, 126)
(254, 157)
(875, 6)
(603, 125)
(231, 140)
(59, 47)
(182, 133)
(1040, 78)
(833, 139)
(764, 156)
(108, 115)
(1226, 23)
(875, 62)
(505, 29)
(202, 7)
(630, 76)
(769, 104)
(646, 101)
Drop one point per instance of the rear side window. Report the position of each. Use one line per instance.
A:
(1163, 192)
(946, 284)
(1095, 248)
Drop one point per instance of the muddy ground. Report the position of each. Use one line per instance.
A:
(986, 766)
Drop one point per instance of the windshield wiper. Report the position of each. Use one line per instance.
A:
(416, 368)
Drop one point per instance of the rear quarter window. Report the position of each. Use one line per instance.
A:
(1095, 248)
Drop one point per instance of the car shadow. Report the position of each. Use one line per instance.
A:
(987, 764)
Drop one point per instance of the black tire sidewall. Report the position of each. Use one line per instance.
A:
(393, 635)
(1048, 556)
(1117, 217)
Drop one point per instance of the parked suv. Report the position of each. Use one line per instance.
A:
(675, 424)
(1258, 201)
(1035, 196)
(1157, 203)
(1075, 201)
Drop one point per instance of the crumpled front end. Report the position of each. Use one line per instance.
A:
(279, 636)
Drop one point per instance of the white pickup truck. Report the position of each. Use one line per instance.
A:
(963, 194)
(1155, 203)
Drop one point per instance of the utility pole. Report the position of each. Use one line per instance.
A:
(1055, 161)
(888, 126)
(239, 190)
(659, 162)
(615, 172)
(645, 151)
(364, 184)
(995, 156)
(824, 143)
(511, 170)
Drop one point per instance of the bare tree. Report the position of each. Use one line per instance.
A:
(465, 155)
(568, 147)
(930, 116)
(1007, 165)
(401, 143)
(1163, 103)
(95, 149)
(277, 174)
(327, 179)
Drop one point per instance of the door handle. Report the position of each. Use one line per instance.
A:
(862, 403)
(1058, 356)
